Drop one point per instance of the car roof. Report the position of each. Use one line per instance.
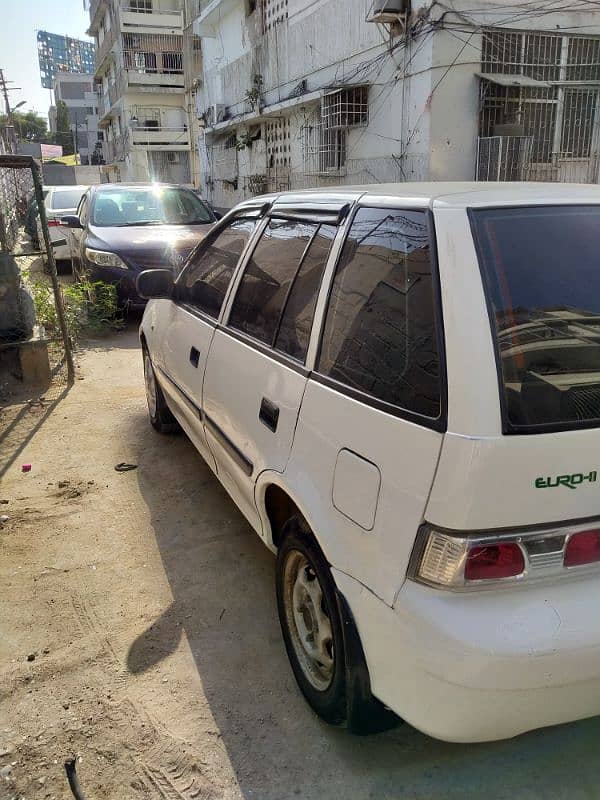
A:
(67, 187)
(459, 194)
(136, 185)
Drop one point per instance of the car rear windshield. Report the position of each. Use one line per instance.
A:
(541, 272)
(149, 205)
(66, 198)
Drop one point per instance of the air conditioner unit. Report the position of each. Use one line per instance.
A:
(389, 10)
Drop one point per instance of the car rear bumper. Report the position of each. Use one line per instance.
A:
(480, 666)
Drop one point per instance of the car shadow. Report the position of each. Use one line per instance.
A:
(222, 582)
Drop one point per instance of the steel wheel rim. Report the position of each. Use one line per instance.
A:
(150, 382)
(308, 622)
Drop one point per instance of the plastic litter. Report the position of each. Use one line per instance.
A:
(26, 468)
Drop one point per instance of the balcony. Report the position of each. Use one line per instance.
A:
(104, 48)
(171, 137)
(151, 15)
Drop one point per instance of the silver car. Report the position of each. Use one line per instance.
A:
(60, 201)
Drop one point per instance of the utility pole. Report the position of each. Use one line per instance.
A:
(10, 130)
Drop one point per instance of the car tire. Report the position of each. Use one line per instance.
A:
(321, 638)
(161, 417)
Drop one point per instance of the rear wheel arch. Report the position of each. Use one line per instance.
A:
(277, 506)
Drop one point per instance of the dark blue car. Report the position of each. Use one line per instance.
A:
(121, 229)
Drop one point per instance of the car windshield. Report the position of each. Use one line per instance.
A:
(66, 198)
(150, 205)
(541, 271)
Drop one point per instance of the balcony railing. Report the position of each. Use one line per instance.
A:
(162, 135)
(154, 62)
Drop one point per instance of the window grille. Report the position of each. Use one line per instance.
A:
(147, 118)
(324, 149)
(153, 53)
(141, 6)
(278, 143)
(346, 108)
(562, 117)
(274, 12)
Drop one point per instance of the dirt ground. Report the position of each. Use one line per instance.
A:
(138, 630)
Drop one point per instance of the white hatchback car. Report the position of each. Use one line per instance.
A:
(399, 386)
(60, 201)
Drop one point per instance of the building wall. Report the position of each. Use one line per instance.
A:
(424, 92)
(140, 75)
(77, 92)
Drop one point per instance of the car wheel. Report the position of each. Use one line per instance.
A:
(321, 638)
(161, 417)
(311, 625)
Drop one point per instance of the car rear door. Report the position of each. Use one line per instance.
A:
(189, 322)
(256, 374)
(373, 415)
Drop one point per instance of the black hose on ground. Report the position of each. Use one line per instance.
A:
(70, 769)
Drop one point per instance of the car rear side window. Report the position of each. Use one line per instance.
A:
(298, 312)
(540, 269)
(380, 335)
(268, 278)
(66, 198)
(205, 281)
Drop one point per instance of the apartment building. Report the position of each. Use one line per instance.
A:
(301, 93)
(141, 91)
(78, 94)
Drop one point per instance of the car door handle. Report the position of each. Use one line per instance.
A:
(194, 357)
(269, 414)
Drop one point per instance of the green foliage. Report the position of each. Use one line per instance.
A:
(90, 307)
(29, 127)
(63, 135)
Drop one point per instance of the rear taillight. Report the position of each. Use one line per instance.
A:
(493, 562)
(475, 560)
(582, 548)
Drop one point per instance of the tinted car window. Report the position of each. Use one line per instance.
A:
(149, 205)
(541, 276)
(204, 282)
(66, 198)
(296, 321)
(264, 287)
(380, 332)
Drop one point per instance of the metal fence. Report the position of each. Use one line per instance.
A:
(36, 354)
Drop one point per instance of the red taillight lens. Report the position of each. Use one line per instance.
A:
(583, 548)
(494, 561)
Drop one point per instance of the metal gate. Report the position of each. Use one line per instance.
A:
(35, 345)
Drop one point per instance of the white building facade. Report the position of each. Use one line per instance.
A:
(77, 93)
(140, 84)
(301, 93)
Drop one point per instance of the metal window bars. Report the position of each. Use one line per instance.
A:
(561, 116)
(153, 53)
(323, 149)
(346, 108)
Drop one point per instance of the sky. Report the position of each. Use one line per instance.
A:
(21, 20)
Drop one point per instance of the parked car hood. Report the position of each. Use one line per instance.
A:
(148, 246)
